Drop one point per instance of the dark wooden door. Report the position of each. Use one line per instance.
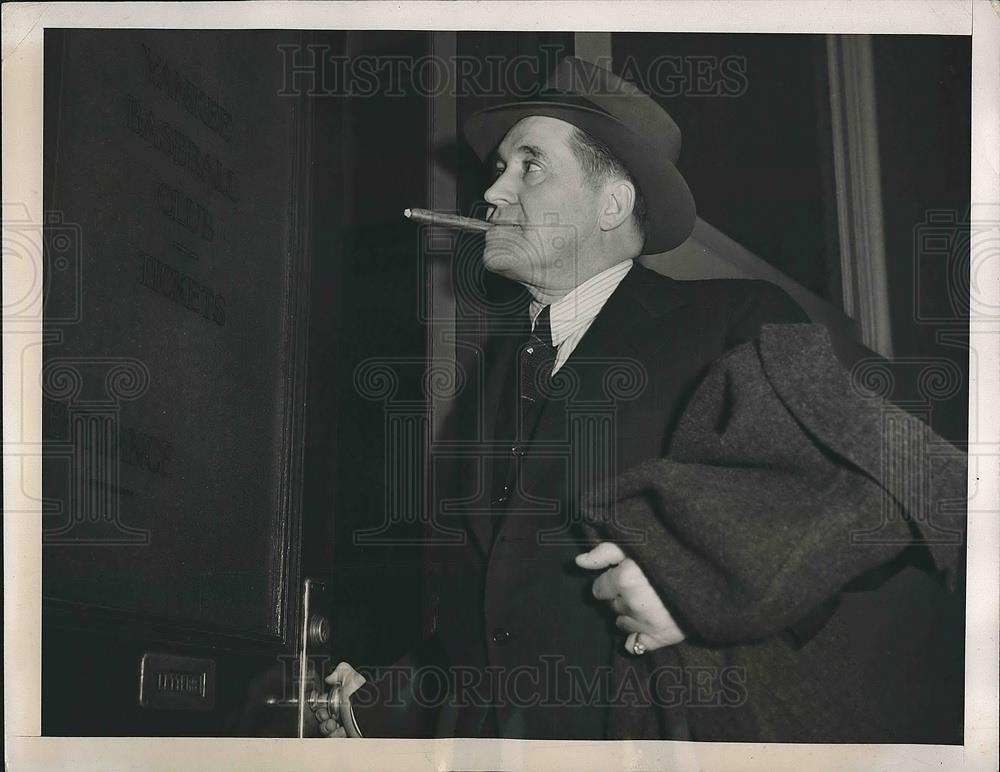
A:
(225, 249)
(177, 174)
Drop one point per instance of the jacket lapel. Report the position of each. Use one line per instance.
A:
(620, 333)
(625, 334)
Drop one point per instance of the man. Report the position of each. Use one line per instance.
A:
(535, 624)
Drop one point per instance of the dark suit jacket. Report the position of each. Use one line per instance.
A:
(521, 648)
(515, 602)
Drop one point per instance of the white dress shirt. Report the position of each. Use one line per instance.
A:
(572, 315)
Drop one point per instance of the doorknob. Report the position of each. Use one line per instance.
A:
(317, 698)
(339, 708)
(318, 630)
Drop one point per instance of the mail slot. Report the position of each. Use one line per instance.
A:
(172, 682)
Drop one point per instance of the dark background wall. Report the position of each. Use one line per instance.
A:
(754, 116)
(923, 84)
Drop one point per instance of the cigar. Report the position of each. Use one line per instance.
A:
(447, 220)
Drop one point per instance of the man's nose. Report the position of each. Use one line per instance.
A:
(502, 192)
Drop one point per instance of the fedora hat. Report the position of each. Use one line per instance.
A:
(637, 130)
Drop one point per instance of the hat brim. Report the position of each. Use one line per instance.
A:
(669, 203)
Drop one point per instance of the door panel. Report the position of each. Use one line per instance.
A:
(176, 186)
(224, 251)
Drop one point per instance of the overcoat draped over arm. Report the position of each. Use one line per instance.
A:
(808, 536)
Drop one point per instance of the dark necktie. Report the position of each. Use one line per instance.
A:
(537, 359)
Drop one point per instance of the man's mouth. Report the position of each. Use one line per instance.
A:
(507, 223)
(504, 230)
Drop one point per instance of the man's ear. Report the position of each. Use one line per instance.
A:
(619, 200)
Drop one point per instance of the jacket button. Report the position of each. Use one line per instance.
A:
(502, 498)
(517, 450)
(501, 636)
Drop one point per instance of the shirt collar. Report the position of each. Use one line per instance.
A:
(578, 307)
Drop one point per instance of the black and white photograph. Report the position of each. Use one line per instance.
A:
(532, 386)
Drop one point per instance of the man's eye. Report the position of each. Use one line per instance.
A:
(497, 171)
(532, 166)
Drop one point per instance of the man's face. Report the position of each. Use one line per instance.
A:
(541, 187)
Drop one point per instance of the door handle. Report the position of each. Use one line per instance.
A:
(316, 699)
(288, 708)
(315, 633)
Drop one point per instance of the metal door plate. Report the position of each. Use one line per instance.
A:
(171, 682)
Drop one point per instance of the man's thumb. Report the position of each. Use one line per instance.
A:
(603, 555)
(340, 675)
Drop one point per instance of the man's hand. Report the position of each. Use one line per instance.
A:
(331, 722)
(628, 592)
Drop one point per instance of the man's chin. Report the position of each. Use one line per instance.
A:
(503, 265)
(506, 255)
(500, 264)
